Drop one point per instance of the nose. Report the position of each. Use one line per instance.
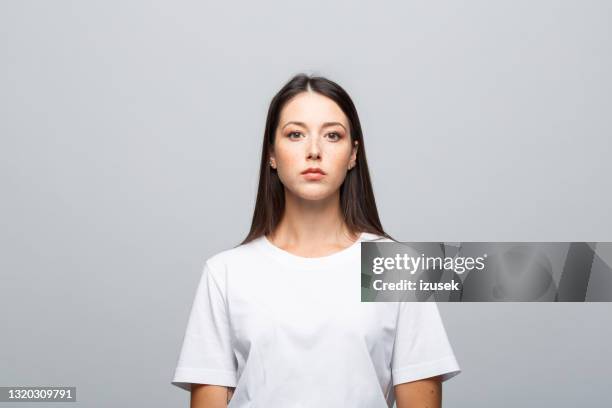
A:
(313, 149)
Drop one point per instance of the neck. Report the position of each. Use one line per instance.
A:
(312, 224)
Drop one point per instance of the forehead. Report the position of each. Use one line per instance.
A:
(312, 108)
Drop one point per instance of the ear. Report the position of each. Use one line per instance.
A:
(271, 158)
(354, 152)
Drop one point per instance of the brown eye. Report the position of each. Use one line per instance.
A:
(293, 133)
(334, 136)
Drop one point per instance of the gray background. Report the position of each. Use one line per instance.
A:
(131, 134)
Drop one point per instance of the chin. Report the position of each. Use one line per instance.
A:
(313, 194)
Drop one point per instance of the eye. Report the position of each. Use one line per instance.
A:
(290, 134)
(334, 136)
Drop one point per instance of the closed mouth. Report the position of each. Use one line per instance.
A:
(313, 170)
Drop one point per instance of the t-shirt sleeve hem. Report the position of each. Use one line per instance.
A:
(185, 376)
(447, 367)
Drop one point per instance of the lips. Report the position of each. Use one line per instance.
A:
(313, 170)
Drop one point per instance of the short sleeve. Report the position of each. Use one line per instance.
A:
(421, 349)
(206, 356)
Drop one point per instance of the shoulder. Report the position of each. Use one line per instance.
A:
(232, 258)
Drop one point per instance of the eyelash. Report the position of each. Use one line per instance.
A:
(330, 133)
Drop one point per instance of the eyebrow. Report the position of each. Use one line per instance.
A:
(326, 124)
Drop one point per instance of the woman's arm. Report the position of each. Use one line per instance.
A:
(426, 393)
(210, 396)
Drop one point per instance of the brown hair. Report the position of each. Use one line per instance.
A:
(356, 194)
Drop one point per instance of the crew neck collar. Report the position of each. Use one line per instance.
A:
(307, 262)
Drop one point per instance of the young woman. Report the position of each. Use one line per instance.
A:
(277, 321)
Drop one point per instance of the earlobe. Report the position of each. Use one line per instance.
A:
(271, 160)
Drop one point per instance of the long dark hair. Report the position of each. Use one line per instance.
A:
(356, 195)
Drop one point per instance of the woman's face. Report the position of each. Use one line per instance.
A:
(313, 132)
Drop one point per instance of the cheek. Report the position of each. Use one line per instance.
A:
(289, 159)
(341, 157)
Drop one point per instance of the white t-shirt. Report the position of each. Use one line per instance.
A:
(289, 331)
